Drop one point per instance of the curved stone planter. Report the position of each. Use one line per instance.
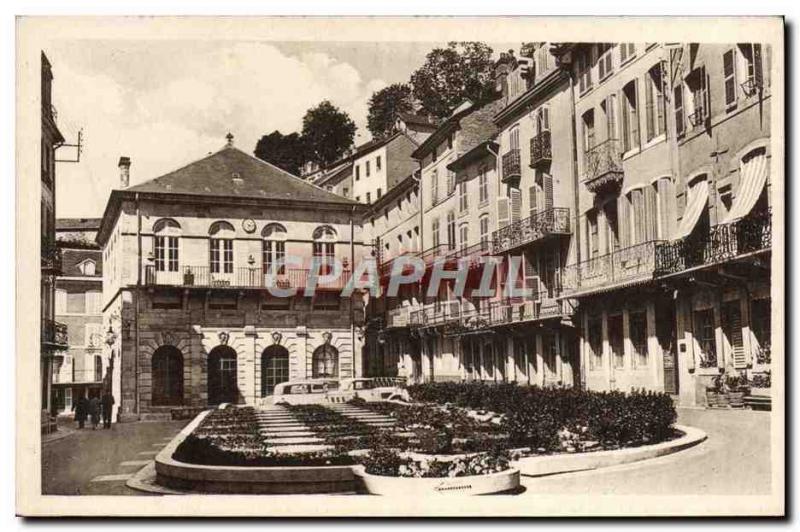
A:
(535, 466)
(247, 480)
(472, 485)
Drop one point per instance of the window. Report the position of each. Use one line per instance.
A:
(616, 340)
(588, 132)
(595, 337)
(513, 138)
(484, 228)
(98, 368)
(532, 192)
(451, 230)
(609, 108)
(483, 185)
(366, 169)
(638, 333)
(729, 76)
(584, 71)
(760, 323)
(87, 267)
(654, 102)
(627, 51)
(221, 247)
(542, 119)
(92, 336)
(323, 248)
(630, 117)
(380, 193)
(680, 117)
(435, 232)
(704, 333)
(450, 141)
(753, 69)
(462, 196)
(61, 301)
(358, 172)
(434, 187)
(378, 163)
(274, 249)
(464, 235)
(358, 199)
(451, 181)
(369, 197)
(94, 302)
(605, 64)
(346, 192)
(697, 82)
(166, 245)
(594, 240)
(434, 155)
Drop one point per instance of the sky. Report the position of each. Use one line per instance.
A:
(166, 103)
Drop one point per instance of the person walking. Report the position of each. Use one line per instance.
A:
(94, 411)
(107, 402)
(81, 408)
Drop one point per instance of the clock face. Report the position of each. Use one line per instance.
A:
(249, 225)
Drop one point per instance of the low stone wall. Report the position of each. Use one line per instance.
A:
(470, 485)
(247, 480)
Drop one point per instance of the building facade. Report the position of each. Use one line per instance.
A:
(82, 370)
(379, 165)
(54, 337)
(193, 261)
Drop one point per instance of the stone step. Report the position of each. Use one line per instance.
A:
(288, 434)
(291, 449)
(293, 441)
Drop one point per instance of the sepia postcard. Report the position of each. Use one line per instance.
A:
(368, 266)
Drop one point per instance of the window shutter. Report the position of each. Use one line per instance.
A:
(659, 88)
(634, 114)
(733, 330)
(502, 212)
(706, 99)
(729, 74)
(626, 133)
(548, 192)
(648, 104)
(680, 126)
(546, 118)
(532, 199)
(516, 204)
(758, 69)
(611, 117)
(623, 223)
(651, 213)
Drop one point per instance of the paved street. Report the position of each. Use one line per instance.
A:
(98, 462)
(733, 460)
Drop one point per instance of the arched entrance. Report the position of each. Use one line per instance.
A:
(325, 362)
(167, 370)
(274, 368)
(222, 367)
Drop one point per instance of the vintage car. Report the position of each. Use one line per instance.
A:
(303, 392)
(375, 389)
(319, 391)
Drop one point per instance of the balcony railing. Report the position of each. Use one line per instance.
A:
(723, 243)
(397, 317)
(603, 167)
(435, 314)
(539, 306)
(386, 266)
(541, 152)
(553, 221)
(633, 263)
(51, 258)
(55, 336)
(511, 166)
(203, 277)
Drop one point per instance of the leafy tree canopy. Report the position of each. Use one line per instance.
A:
(287, 152)
(384, 107)
(450, 75)
(328, 132)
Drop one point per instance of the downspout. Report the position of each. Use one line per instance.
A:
(352, 295)
(136, 302)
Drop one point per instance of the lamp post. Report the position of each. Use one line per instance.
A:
(111, 339)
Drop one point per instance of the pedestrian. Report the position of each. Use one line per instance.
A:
(94, 411)
(108, 405)
(81, 408)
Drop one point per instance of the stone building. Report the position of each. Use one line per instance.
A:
(191, 259)
(82, 370)
(54, 337)
(380, 164)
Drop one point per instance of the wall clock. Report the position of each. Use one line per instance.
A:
(249, 225)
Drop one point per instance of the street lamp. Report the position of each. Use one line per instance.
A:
(111, 339)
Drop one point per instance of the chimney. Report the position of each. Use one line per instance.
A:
(124, 171)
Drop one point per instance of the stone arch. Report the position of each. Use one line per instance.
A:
(274, 368)
(222, 376)
(325, 361)
(167, 376)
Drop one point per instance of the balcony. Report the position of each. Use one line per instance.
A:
(540, 306)
(385, 268)
(398, 317)
(511, 167)
(603, 167)
(435, 314)
(541, 152)
(631, 264)
(239, 278)
(51, 258)
(723, 243)
(553, 221)
(55, 336)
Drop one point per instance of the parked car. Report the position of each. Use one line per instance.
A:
(303, 392)
(375, 389)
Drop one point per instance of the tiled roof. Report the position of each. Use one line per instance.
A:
(71, 258)
(233, 173)
(417, 120)
(77, 224)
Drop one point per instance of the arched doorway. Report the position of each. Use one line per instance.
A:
(222, 367)
(274, 368)
(325, 362)
(167, 369)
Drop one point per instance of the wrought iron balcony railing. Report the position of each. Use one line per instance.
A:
(507, 311)
(553, 221)
(51, 258)
(633, 263)
(724, 242)
(435, 314)
(203, 277)
(541, 152)
(511, 166)
(55, 336)
(603, 167)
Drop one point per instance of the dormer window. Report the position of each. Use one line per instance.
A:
(87, 267)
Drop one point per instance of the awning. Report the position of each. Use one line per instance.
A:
(695, 203)
(753, 176)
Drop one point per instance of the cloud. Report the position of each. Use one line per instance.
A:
(165, 104)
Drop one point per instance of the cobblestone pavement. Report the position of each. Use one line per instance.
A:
(734, 460)
(99, 462)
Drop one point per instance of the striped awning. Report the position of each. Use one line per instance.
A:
(697, 199)
(753, 172)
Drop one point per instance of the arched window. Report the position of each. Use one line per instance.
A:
(222, 385)
(274, 249)
(323, 248)
(274, 368)
(98, 368)
(166, 233)
(221, 247)
(167, 376)
(325, 362)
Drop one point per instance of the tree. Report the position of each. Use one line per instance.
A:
(287, 152)
(450, 75)
(385, 105)
(328, 132)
